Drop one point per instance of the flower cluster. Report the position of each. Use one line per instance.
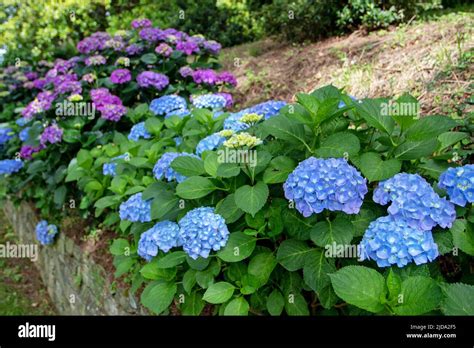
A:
(202, 230)
(24, 134)
(120, 76)
(110, 169)
(210, 77)
(27, 151)
(109, 105)
(414, 200)
(95, 60)
(41, 103)
(317, 184)
(390, 241)
(10, 166)
(152, 79)
(209, 101)
(266, 109)
(135, 209)
(459, 184)
(139, 131)
(243, 139)
(163, 170)
(210, 142)
(163, 236)
(51, 134)
(45, 232)
(5, 135)
(168, 104)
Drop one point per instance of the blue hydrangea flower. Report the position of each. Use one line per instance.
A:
(5, 135)
(459, 184)
(139, 131)
(201, 231)
(135, 209)
(317, 184)
(24, 134)
(209, 101)
(266, 109)
(45, 233)
(163, 236)
(168, 103)
(162, 168)
(391, 241)
(10, 166)
(111, 168)
(22, 121)
(180, 112)
(210, 142)
(414, 200)
(178, 140)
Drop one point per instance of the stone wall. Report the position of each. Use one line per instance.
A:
(76, 284)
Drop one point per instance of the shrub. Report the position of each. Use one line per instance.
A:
(277, 208)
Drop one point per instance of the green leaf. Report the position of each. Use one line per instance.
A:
(433, 168)
(228, 170)
(284, 128)
(327, 297)
(228, 209)
(188, 166)
(292, 254)
(165, 204)
(295, 304)
(371, 111)
(394, 284)
(106, 201)
(149, 58)
(418, 295)
(459, 299)
(172, 259)
(404, 116)
(450, 138)
(339, 231)
(238, 306)
(411, 150)
(261, 267)
(279, 169)
(219, 293)
(153, 125)
(429, 127)
(336, 145)
(198, 264)
(195, 187)
(211, 163)
(275, 303)
(238, 247)
(193, 304)
(444, 240)
(360, 286)
(375, 169)
(60, 195)
(158, 296)
(463, 236)
(189, 280)
(119, 246)
(317, 269)
(362, 221)
(251, 198)
(151, 271)
(122, 265)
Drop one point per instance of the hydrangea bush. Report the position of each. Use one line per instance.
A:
(322, 206)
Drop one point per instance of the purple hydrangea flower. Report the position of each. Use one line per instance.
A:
(228, 99)
(27, 151)
(317, 184)
(109, 105)
(95, 60)
(151, 34)
(52, 134)
(390, 241)
(186, 71)
(164, 49)
(212, 47)
(208, 76)
(459, 184)
(135, 209)
(163, 236)
(152, 79)
(414, 200)
(187, 47)
(120, 76)
(133, 49)
(141, 23)
(226, 77)
(201, 231)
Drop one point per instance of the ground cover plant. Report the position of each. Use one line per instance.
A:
(328, 205)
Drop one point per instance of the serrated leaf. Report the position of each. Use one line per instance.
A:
(195, 187)
(459, 299)
(188, 166)
(463, 236)
(171, 259)
(219, 293)
(228, 209)
(261, 267)
(340, 231)
(375, 169)
(158, 296)
(360, 286)
(317, 269)
(238, 306)
(339, 144)
(292, 254)
(251, 198)
(193, 304)
(429, 127)
(418, 295)
(238, 247)
(411, 150)
(371, 111)
(275, 303)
